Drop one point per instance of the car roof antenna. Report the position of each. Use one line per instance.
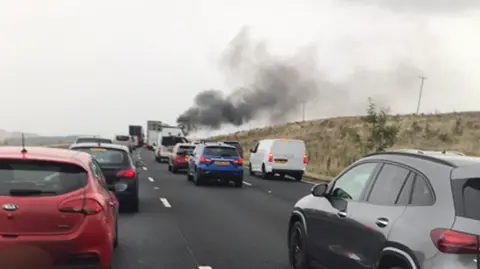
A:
(24, 150)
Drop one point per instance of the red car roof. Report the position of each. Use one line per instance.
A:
(48, 154)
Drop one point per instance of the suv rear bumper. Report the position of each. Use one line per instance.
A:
(224, 175)
(287, 172)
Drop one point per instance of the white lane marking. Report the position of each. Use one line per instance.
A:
(309, 182)
(247, 183)
(156, 188)
(269, 191)
(205, 267)
(144, 168)
(165, 202)
(151, 179)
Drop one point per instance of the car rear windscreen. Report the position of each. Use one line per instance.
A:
(107, 156)
(93, 140)
(185, 150)
(235, 144)
(123, 138)
(295, 147)
(466, 196)
(172, 140)
(40, 178)
(219, 151)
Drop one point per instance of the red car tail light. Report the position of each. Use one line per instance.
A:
(238, 161)
(270, 157)
(205, 160)
(86, 206)
(129, 173)
(305, 158)
(450, 241)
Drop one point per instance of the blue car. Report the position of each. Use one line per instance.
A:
(213, 162)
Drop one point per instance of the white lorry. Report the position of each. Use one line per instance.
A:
(168, 138)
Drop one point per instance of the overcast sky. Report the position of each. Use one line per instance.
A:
(94, 67)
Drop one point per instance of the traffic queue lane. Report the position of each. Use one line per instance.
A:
(182, 226)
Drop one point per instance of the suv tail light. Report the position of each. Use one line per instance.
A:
(205, 160)
(270, 157)
(129, 173)
(450, 241)
(305, 158)
(238, 161)
(86, 206)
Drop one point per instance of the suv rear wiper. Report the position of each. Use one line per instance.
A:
(29, 192)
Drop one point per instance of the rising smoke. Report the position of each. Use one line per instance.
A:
(274, 87)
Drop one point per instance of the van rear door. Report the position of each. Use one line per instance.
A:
(288, 154)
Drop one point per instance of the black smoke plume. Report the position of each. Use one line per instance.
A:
(273, 87)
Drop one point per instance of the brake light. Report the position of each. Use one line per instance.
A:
(86, 206)
(205, 160)
(305, 159)
(450, 241)
(270, 157)
(129, 173)
(238, 161)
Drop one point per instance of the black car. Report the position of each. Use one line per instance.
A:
(237, 145)
(391, 210)
(119, 170)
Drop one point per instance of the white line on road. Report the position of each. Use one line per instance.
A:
(247, 183)
(144, 168)
(151, 179)
(156, 188)
(309, 182)
(165, 202)
(205, 267)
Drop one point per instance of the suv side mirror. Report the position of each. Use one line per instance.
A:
(319, 190)
(252, 150)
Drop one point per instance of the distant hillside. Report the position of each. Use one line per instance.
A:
(41, 140)
(6, 134)
(331, 143)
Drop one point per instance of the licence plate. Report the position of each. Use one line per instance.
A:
(221, 163)
(281, 162)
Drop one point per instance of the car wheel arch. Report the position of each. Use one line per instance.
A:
(297, 216)
(400, 253)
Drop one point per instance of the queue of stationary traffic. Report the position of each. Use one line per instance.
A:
(407, 209)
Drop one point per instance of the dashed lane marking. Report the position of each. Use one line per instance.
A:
(156, 188)
(309, 182)
(151, 179)
(247, 183)
(144, 168)
(205, 267)
(165, 202)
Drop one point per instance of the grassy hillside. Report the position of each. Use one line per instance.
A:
(334, 143)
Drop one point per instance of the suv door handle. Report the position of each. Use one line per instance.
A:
(381, 222)
(341, 214)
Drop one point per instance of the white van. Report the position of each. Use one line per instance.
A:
(278, 156)
(165, 146)
(124, 140)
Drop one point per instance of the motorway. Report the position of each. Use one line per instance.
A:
(182, 226)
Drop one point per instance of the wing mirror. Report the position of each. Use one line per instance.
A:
(319, 190)
(252, 150)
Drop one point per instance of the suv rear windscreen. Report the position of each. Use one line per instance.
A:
(40, 178)
(219, 151)
(93, 140)
(466, 195)
(123, 138)
(172, 140)
(235, 144)
(107, 156)
(187, 150)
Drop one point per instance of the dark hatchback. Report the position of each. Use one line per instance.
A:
(119, 170)
(237, 145)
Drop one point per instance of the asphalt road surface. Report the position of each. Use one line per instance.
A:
(182, 226)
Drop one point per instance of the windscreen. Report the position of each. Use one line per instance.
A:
(289, 147)
(107, 156)
(93, 140)
(39, 178)
(186, 150)
(466, 194)
(219, 151)
(123, 138)
(235, 144)
(172, 140)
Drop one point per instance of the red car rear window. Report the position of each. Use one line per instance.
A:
(35, 177)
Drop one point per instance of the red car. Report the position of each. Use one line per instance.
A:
(56, 210)
(179, 157)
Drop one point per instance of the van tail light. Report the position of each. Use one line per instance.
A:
(205, 160)
(129, 173)
(450, 241)
(270, 157)
(305, 158)
(86, 206)
(238, 161)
